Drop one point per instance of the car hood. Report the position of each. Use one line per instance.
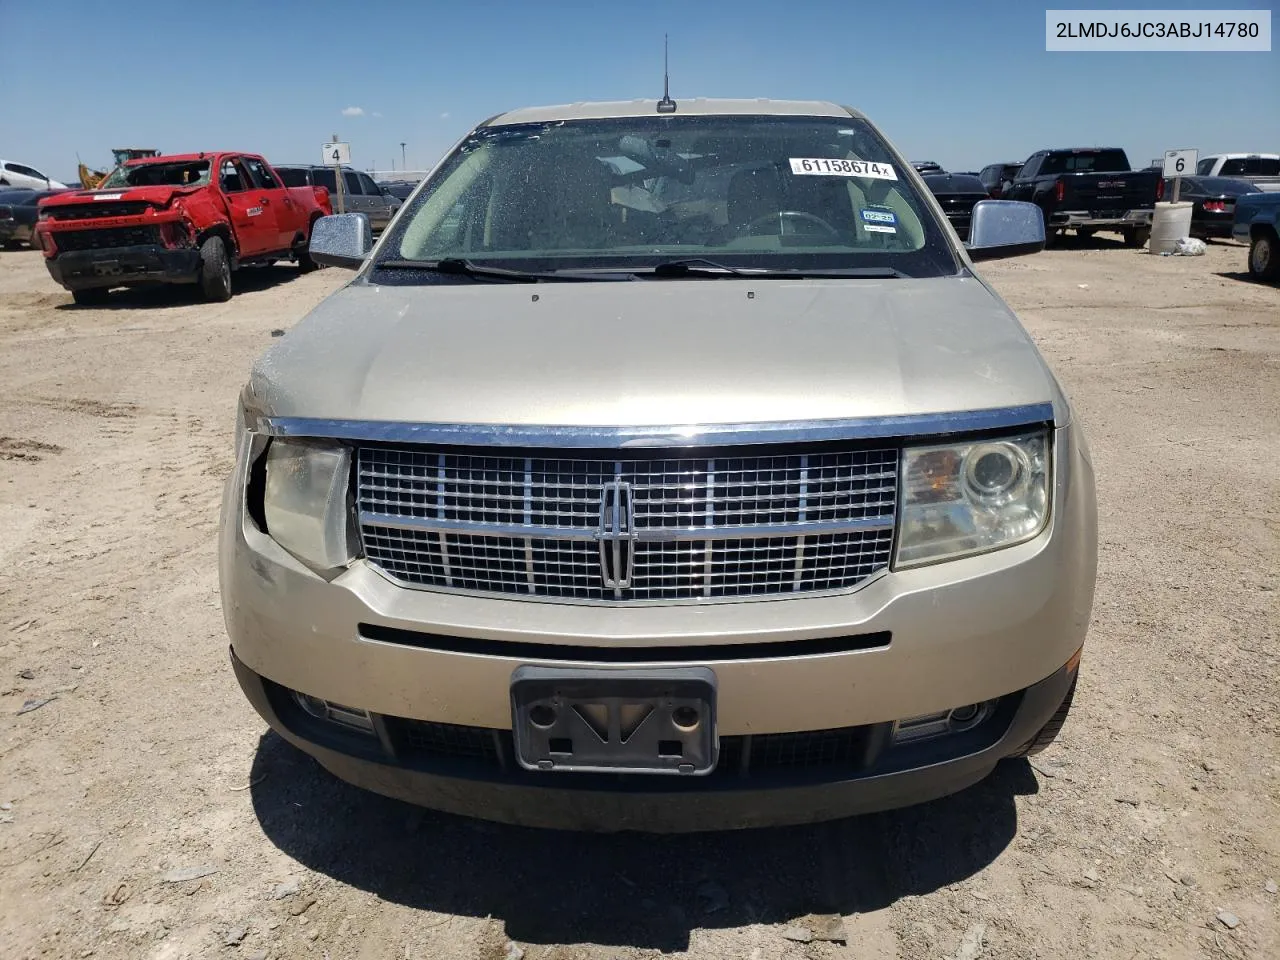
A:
(157, 196)
(652, 353)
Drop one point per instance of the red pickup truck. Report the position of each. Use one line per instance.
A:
(186, 218)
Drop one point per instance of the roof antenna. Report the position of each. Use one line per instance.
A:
(666, 104)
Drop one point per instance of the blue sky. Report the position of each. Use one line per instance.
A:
(962, 83)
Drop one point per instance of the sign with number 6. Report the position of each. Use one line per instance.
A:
(1180, 163)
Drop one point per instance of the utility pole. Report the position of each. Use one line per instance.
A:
(403, 165)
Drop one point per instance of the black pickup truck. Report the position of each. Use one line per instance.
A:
(1089, 189)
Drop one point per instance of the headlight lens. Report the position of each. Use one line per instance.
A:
(305, 501)
(967, 498)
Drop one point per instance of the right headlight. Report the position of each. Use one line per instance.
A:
(966, 498)
(305, 501)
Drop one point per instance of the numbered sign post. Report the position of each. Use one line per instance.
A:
(1179, 164)
(337, 155)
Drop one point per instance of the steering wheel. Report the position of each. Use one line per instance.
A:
(781, 218)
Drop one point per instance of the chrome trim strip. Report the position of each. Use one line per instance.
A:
(624, 602)
(686, 435)
(643, 535)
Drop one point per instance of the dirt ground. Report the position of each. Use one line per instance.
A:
(145, 812)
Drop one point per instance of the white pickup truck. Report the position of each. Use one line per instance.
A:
(1260, 169)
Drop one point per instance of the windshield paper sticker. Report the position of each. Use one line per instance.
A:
(842, 168)
(879, 220)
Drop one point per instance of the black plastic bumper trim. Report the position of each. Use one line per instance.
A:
(574, 653)
(677, 804)
(79, 269)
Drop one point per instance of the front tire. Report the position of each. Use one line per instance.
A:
(302, 253)
(215, 270)
(1049, 732)
(1264, 257)
(93, 297)
(1136, 237)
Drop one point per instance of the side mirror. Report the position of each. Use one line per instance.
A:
(1005, 228)
(341, 240)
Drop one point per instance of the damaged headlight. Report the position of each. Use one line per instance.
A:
(961, 499)
(305, 501)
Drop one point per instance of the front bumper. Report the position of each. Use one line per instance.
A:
(1088, 218)
(1212, 226)
(936, 637)
(884, 777)
(114, 267)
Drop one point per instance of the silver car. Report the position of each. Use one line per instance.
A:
(360, 194)
(663, 467)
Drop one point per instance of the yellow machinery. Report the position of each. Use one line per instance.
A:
(91, 178)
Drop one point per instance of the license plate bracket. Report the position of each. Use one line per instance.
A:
(659, 721)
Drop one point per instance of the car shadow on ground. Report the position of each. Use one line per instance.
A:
(1241, 276)
(552, 887)
(1074, 241)
(156, 295)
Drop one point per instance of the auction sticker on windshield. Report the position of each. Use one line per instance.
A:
(842, 168)
(879, 220)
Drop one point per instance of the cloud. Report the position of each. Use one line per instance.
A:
(353, 112)
(445, 115)
(376, 113)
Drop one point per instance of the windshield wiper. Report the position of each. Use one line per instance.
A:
(466, 268)
(698, 266)
(702, 267)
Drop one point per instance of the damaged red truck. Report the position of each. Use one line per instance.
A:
(186, 218)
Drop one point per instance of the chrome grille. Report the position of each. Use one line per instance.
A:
(713, 527)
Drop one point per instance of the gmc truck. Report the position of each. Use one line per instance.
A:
(186, 218)
(1089, 189)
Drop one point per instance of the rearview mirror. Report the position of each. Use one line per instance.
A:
(341, 240)
(1005, 228)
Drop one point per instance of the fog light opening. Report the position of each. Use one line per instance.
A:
(933, 725)
(685, 718)
(353, 718)
(542, 716)
(966, 718)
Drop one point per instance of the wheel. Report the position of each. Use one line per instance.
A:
(215, 270)
(302, 253)
(93, 297)
(1264, 257)
(1136, 237)
(1049, 732)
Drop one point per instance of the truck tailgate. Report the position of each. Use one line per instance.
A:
(1108, 195)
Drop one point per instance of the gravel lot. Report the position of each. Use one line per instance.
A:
(145, 812)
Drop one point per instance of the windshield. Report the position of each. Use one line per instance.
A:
(769, 193)
(193, 173)
(1251, 167)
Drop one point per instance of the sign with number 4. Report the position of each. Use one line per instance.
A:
(1180, 163)
(336, 153)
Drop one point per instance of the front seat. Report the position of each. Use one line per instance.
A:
(751, 196)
